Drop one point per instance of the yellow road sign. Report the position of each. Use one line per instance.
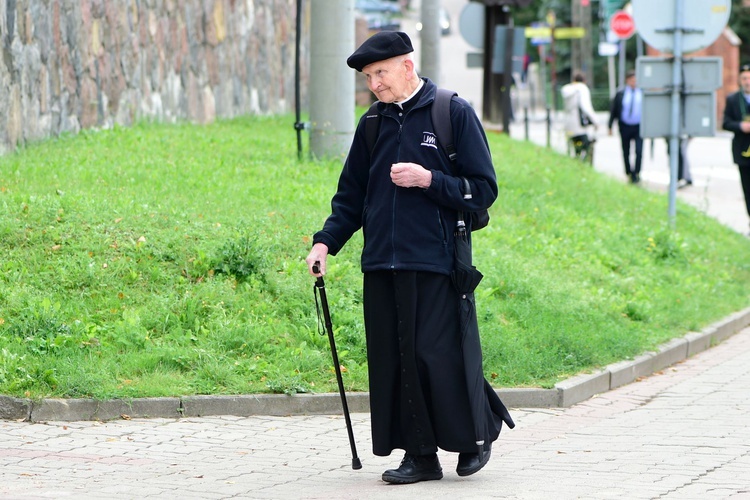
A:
(542, 32)
(570, 32)
(546, 32)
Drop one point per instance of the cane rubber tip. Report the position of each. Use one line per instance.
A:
(356, 464)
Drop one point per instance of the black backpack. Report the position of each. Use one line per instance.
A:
(441, 121)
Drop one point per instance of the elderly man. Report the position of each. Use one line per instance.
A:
(405, 194)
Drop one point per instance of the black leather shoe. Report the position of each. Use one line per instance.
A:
(415, 468)
(469, 463)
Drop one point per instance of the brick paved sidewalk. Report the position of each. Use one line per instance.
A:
(682, 433)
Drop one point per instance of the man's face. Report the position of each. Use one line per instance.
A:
(389, 79)
(745, 82)
(630, 81)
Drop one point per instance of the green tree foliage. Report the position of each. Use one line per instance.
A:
(739, 21)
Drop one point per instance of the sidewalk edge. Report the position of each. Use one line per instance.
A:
(566, 393)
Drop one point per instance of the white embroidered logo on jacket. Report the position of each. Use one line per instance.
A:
(429, 139)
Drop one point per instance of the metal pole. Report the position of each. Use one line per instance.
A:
(298, 126)
(507, 77)
(430, 39)
(576, 58)
(622, 60)
(549, 127)
(526, 123)
(587, 54)
(543, 72)
(492, 99)
(331, 81)
(553, 70)
(676, 112)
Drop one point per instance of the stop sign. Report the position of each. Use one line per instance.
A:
(621, 23)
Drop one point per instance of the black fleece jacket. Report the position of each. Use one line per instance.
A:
(410, 229)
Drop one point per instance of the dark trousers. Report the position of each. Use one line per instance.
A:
(680, 159)
(418, 395)
(630, 133)
(745, 178)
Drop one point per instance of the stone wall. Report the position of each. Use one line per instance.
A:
(73, 64)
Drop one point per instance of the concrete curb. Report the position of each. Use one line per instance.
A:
(566, 393)
(582, 387)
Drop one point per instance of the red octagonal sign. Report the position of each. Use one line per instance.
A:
(621, 23)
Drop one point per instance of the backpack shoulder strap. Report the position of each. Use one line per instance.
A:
(372, 126)
(441, 121)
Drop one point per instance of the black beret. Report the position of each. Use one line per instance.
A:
(744, 67)
(379, 47)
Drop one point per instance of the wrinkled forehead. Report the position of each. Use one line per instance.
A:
(385, 64)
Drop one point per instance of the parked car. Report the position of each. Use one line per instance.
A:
(380, 14)
(388, 6)
(445, 22)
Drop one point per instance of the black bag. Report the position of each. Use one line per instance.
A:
(584, 118)
(441, 120)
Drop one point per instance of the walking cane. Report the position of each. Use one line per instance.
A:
(321, 289)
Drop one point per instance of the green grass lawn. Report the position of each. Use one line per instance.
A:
(168, 260)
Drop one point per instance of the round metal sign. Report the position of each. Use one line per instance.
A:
(702, 22)
(471, 24)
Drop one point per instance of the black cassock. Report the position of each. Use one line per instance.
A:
(419, 400)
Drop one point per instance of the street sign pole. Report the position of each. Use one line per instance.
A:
(674, 142)
(622, 26)
(689, 30)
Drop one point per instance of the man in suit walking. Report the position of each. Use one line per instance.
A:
(737, 120)
(626, 109)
